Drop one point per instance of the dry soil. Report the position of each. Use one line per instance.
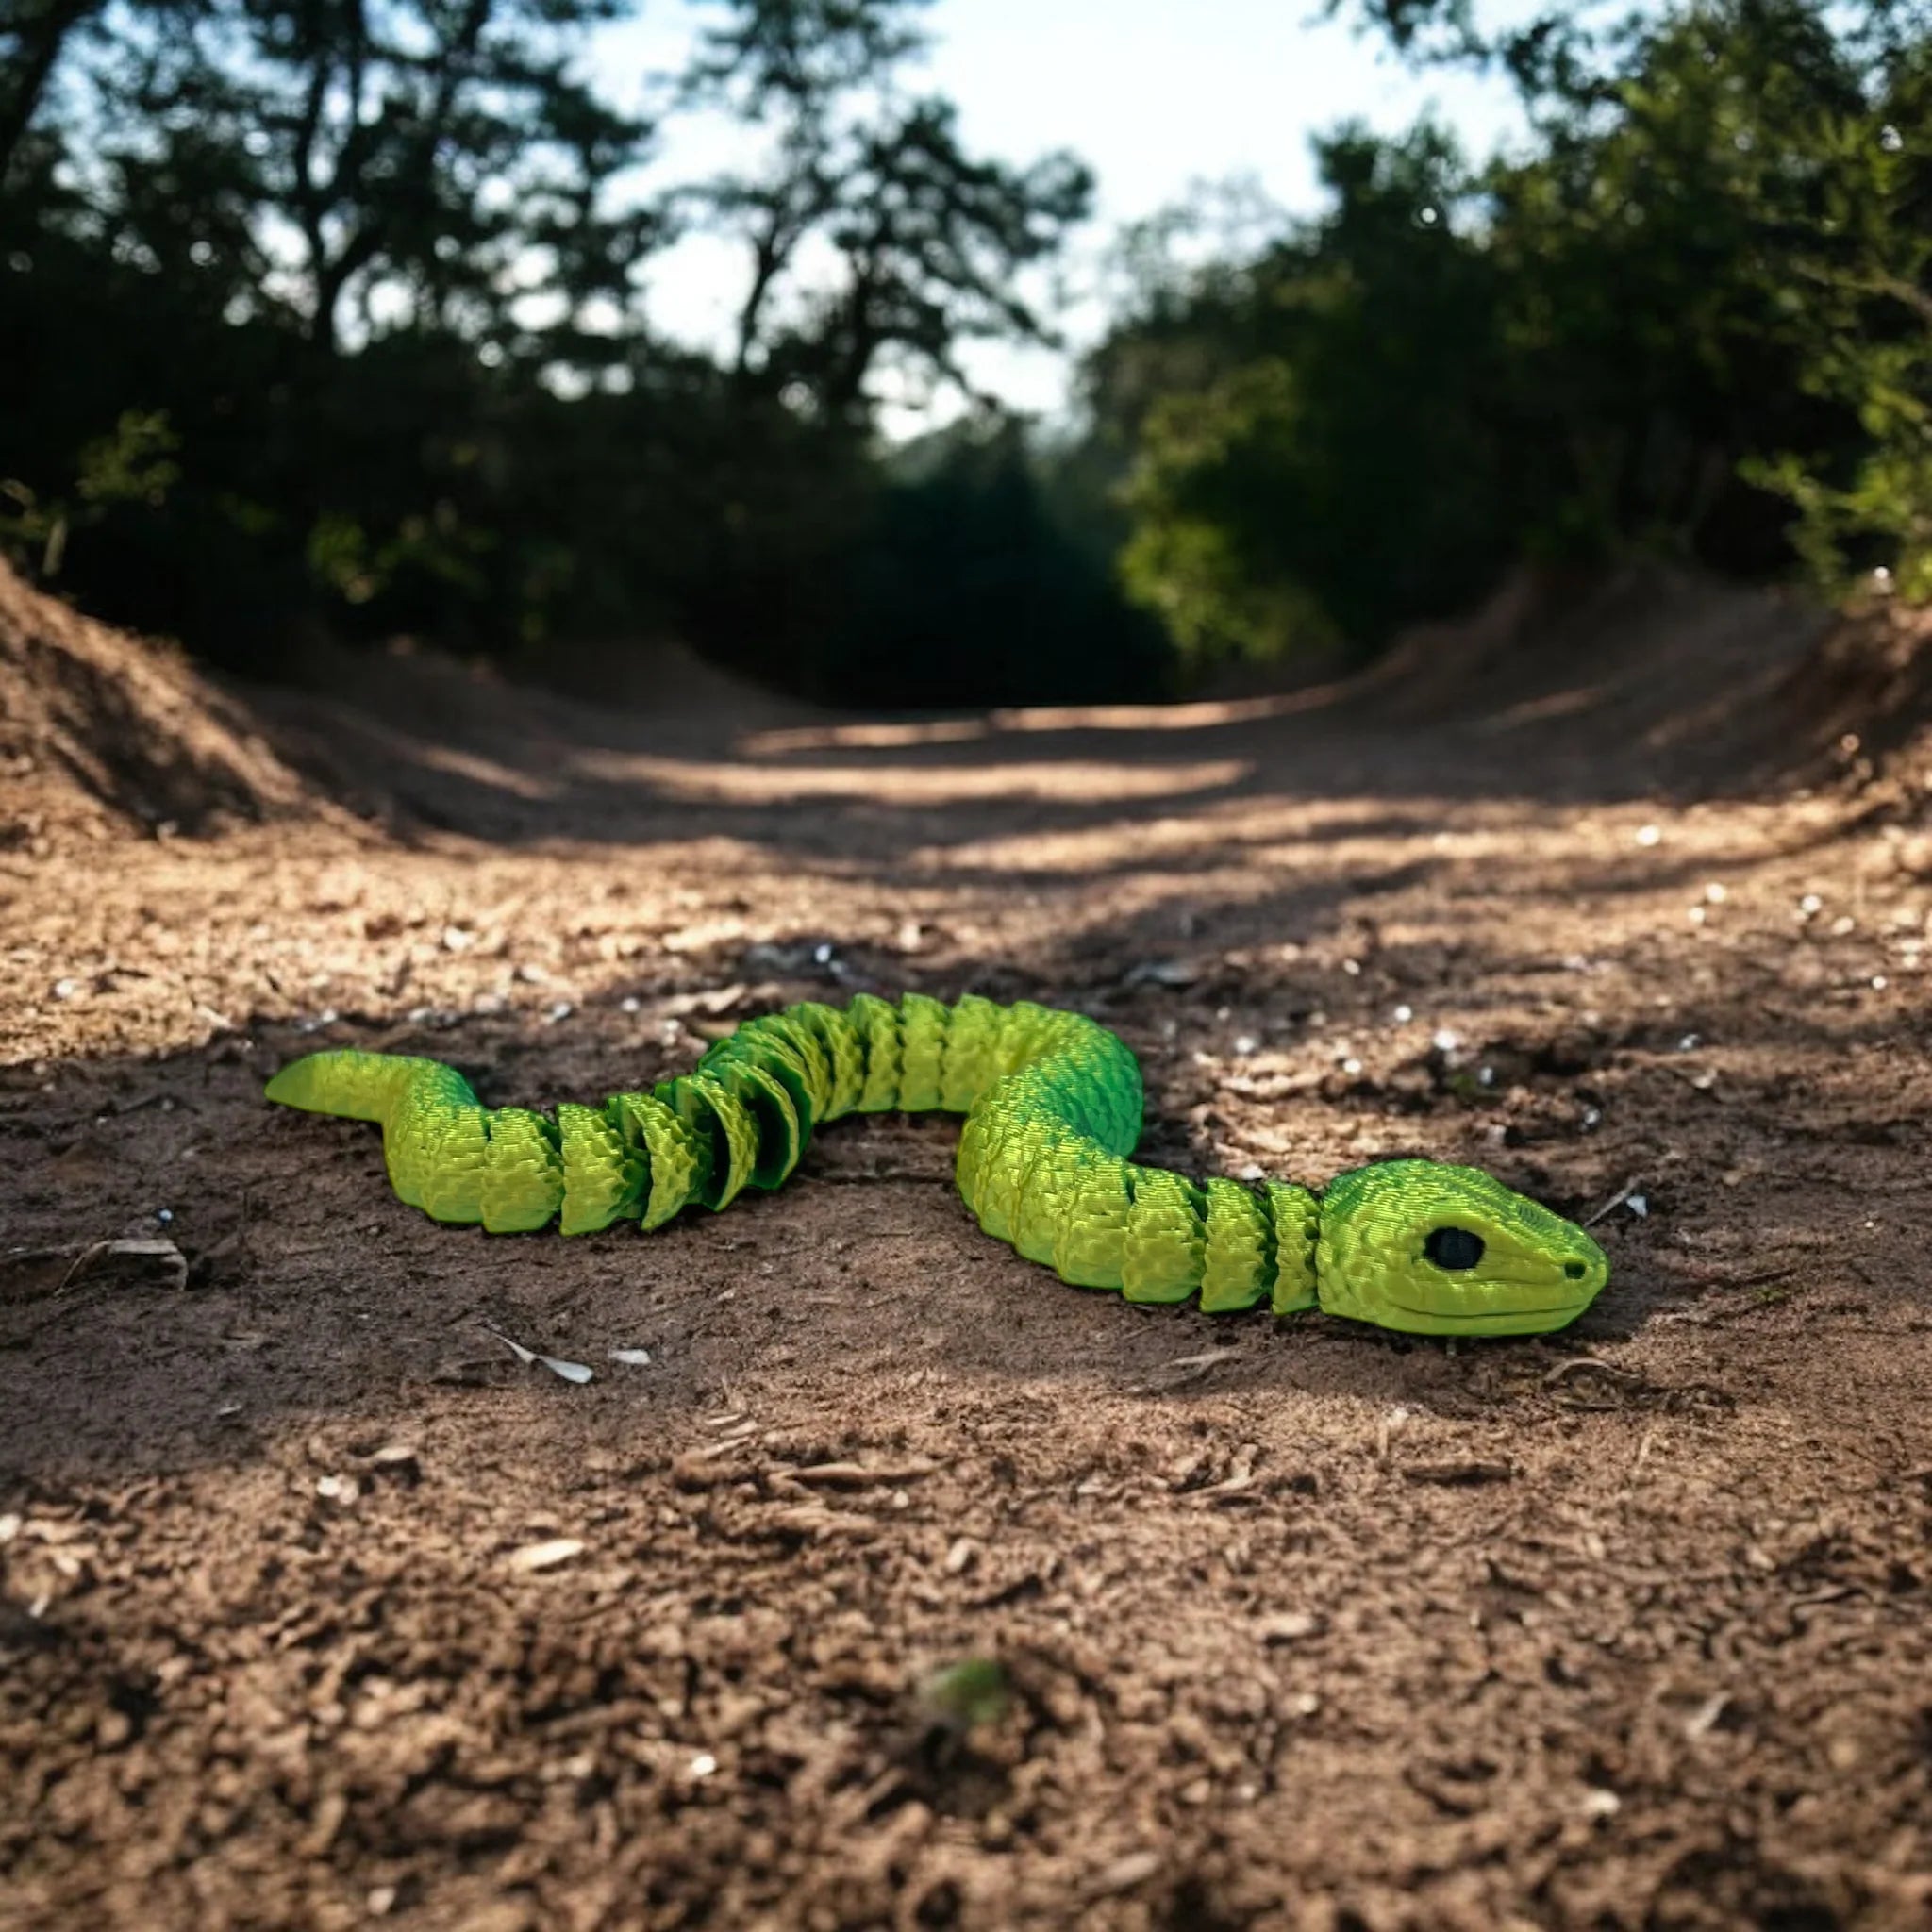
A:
(320, 1607)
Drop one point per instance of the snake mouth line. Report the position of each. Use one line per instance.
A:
(1489, 1314)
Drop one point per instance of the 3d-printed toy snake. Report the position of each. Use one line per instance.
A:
(1053, 1111)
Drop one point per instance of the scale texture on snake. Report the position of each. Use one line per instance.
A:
(1052, 1103)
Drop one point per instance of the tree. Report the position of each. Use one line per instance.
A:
(928, 243)
(396, 163)
(33, 34)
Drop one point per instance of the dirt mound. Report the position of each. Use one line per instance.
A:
(1702, 679)
(99, 729)
(412, 736)
(1864, 695)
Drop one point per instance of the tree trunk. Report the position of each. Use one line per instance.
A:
(39, 38)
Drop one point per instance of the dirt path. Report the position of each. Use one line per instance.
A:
(317, 1609)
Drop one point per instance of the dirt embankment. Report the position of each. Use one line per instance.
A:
(320, 1607)
(101, 731)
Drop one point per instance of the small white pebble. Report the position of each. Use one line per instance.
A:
(164, 1215)
(455, 938)
(1307, 1704)
(703, 1765)
(9, 1527)
(1639, 1205)
(66, 988)
(336, 1489)
(636, 1357)
(1704, 1082)
(1843, 923)
(1350, 1065)
(545, 1555)
(1696, 915)
(629, 1003)
(1701, 1721)
(1253, 1172)
(1715, 893)
(1445, 1039)
(1810, 904)
(1352, 967)
(1598, 1803)
(822, 955)
(1878, 982)
(1592, 1116)
(1246, 1043)
(1689, 1044)
(561, 1009)
(1404, 1015)
(1648, 835)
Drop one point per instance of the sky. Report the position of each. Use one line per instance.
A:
(1154, 95)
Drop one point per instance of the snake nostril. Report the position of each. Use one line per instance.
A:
(1575, 1270)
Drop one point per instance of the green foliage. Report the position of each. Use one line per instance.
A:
(1316, 439)
(962, 1697)
(1214, 577)
(1701, 300)
(132, 464)
(1862, 311)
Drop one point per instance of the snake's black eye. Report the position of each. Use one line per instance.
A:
(1454, 1247)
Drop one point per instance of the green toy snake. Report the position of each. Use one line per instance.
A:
(1053, 1111)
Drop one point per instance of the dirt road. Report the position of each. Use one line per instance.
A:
(318, 1607)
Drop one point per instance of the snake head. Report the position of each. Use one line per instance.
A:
(1437, 1250)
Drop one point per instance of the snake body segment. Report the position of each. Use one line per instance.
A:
(1052, 1104)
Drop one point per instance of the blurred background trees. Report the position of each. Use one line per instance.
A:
(332, 314)
(1692, 320)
